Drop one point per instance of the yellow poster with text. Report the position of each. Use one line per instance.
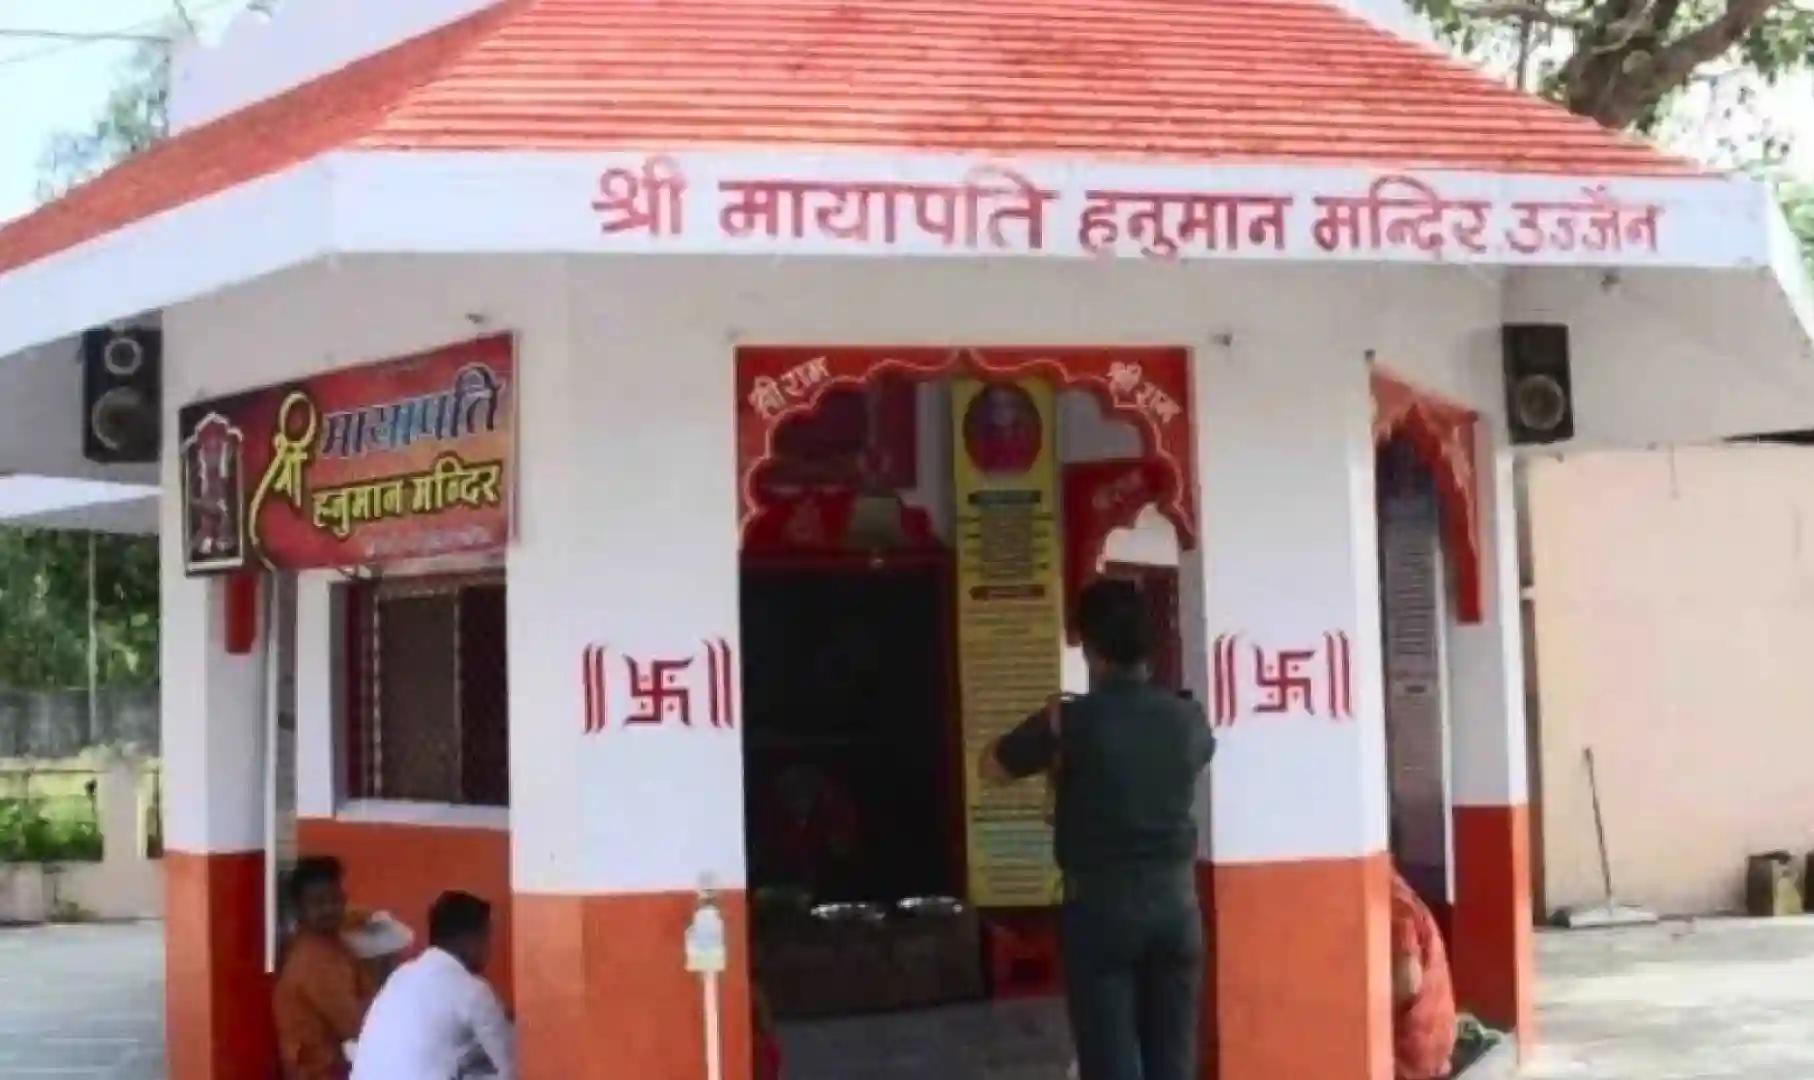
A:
(1010, 621)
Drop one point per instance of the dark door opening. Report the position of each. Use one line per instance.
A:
(848, 728)
(1413, 602)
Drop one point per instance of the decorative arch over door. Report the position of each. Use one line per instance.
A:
(1442, 433)
(1149, 387)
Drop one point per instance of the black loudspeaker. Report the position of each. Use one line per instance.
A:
(1539, 394)
(122, 395)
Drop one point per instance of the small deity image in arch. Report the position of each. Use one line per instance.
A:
(214, 499)
(1003, 431)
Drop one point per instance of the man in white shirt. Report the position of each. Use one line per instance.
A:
(436, 1019)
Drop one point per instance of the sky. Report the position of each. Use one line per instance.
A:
(47, 87)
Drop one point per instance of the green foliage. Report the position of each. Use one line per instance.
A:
(1626, 62)
(44, 609)
(1783, 41)
(68, 912)
(1798, 204)
(135, 117)
(28, 834)
(44, 575)
(1692, 69)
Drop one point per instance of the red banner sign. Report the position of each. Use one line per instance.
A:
(1148, 387)
(402, 459)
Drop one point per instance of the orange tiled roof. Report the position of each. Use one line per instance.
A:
(1228, 81)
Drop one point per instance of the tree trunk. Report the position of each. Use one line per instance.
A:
(1626, 63)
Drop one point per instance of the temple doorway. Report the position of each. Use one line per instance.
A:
(915, 524)
(1430, 581)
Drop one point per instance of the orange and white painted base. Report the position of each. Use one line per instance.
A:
(217, 997)
(1300, 947)
(600, 987)
(1493, 948)
(603, 994)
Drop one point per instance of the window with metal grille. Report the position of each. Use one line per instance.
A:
(429, 695)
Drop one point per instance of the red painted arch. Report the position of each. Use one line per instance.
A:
(1149, 387)
(1442, 433)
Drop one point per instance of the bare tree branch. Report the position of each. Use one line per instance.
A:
(1621, 34)
(1589, 75)
(1663, 14)
(1678, 60)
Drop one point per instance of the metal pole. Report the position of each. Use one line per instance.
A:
(269, 677)
(94, 648)
(714, 1055)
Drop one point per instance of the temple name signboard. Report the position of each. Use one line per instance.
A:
(708, 203)
(401, 459)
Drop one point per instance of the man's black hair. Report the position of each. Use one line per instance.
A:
(1112, 618)
(457, 916)
(312, 871)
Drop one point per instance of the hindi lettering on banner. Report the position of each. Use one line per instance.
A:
(757, 207)
(1597, 223)
(470, 405)
(1164, 223)
(772, 396)
(1130, 387)
(999, 208)
(977, 212)
(1400, 212)
(643, 200)
(400, 459)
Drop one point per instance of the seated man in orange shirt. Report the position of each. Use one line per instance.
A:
(323, 989)
(1422, 992)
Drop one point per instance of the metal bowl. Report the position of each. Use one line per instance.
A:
(849, 913)
(931, 906)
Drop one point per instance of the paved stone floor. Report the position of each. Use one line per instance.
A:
(1729, 999)
(82, 1003)
(1720, 1000)
(1011, 1040)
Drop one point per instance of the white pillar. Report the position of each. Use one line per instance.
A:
(1486, 659)
(1493, 942)
(624, 578)
(1299, 887)
(217, 1001)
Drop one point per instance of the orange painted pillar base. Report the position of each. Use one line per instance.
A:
(217, 995)
(603, 992)
(1302, 970)
(1493, 941)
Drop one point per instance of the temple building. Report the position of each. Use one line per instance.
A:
(644, 450)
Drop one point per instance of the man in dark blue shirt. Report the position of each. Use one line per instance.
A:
(1124, 760)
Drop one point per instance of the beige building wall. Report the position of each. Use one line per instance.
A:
(1674, 617)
